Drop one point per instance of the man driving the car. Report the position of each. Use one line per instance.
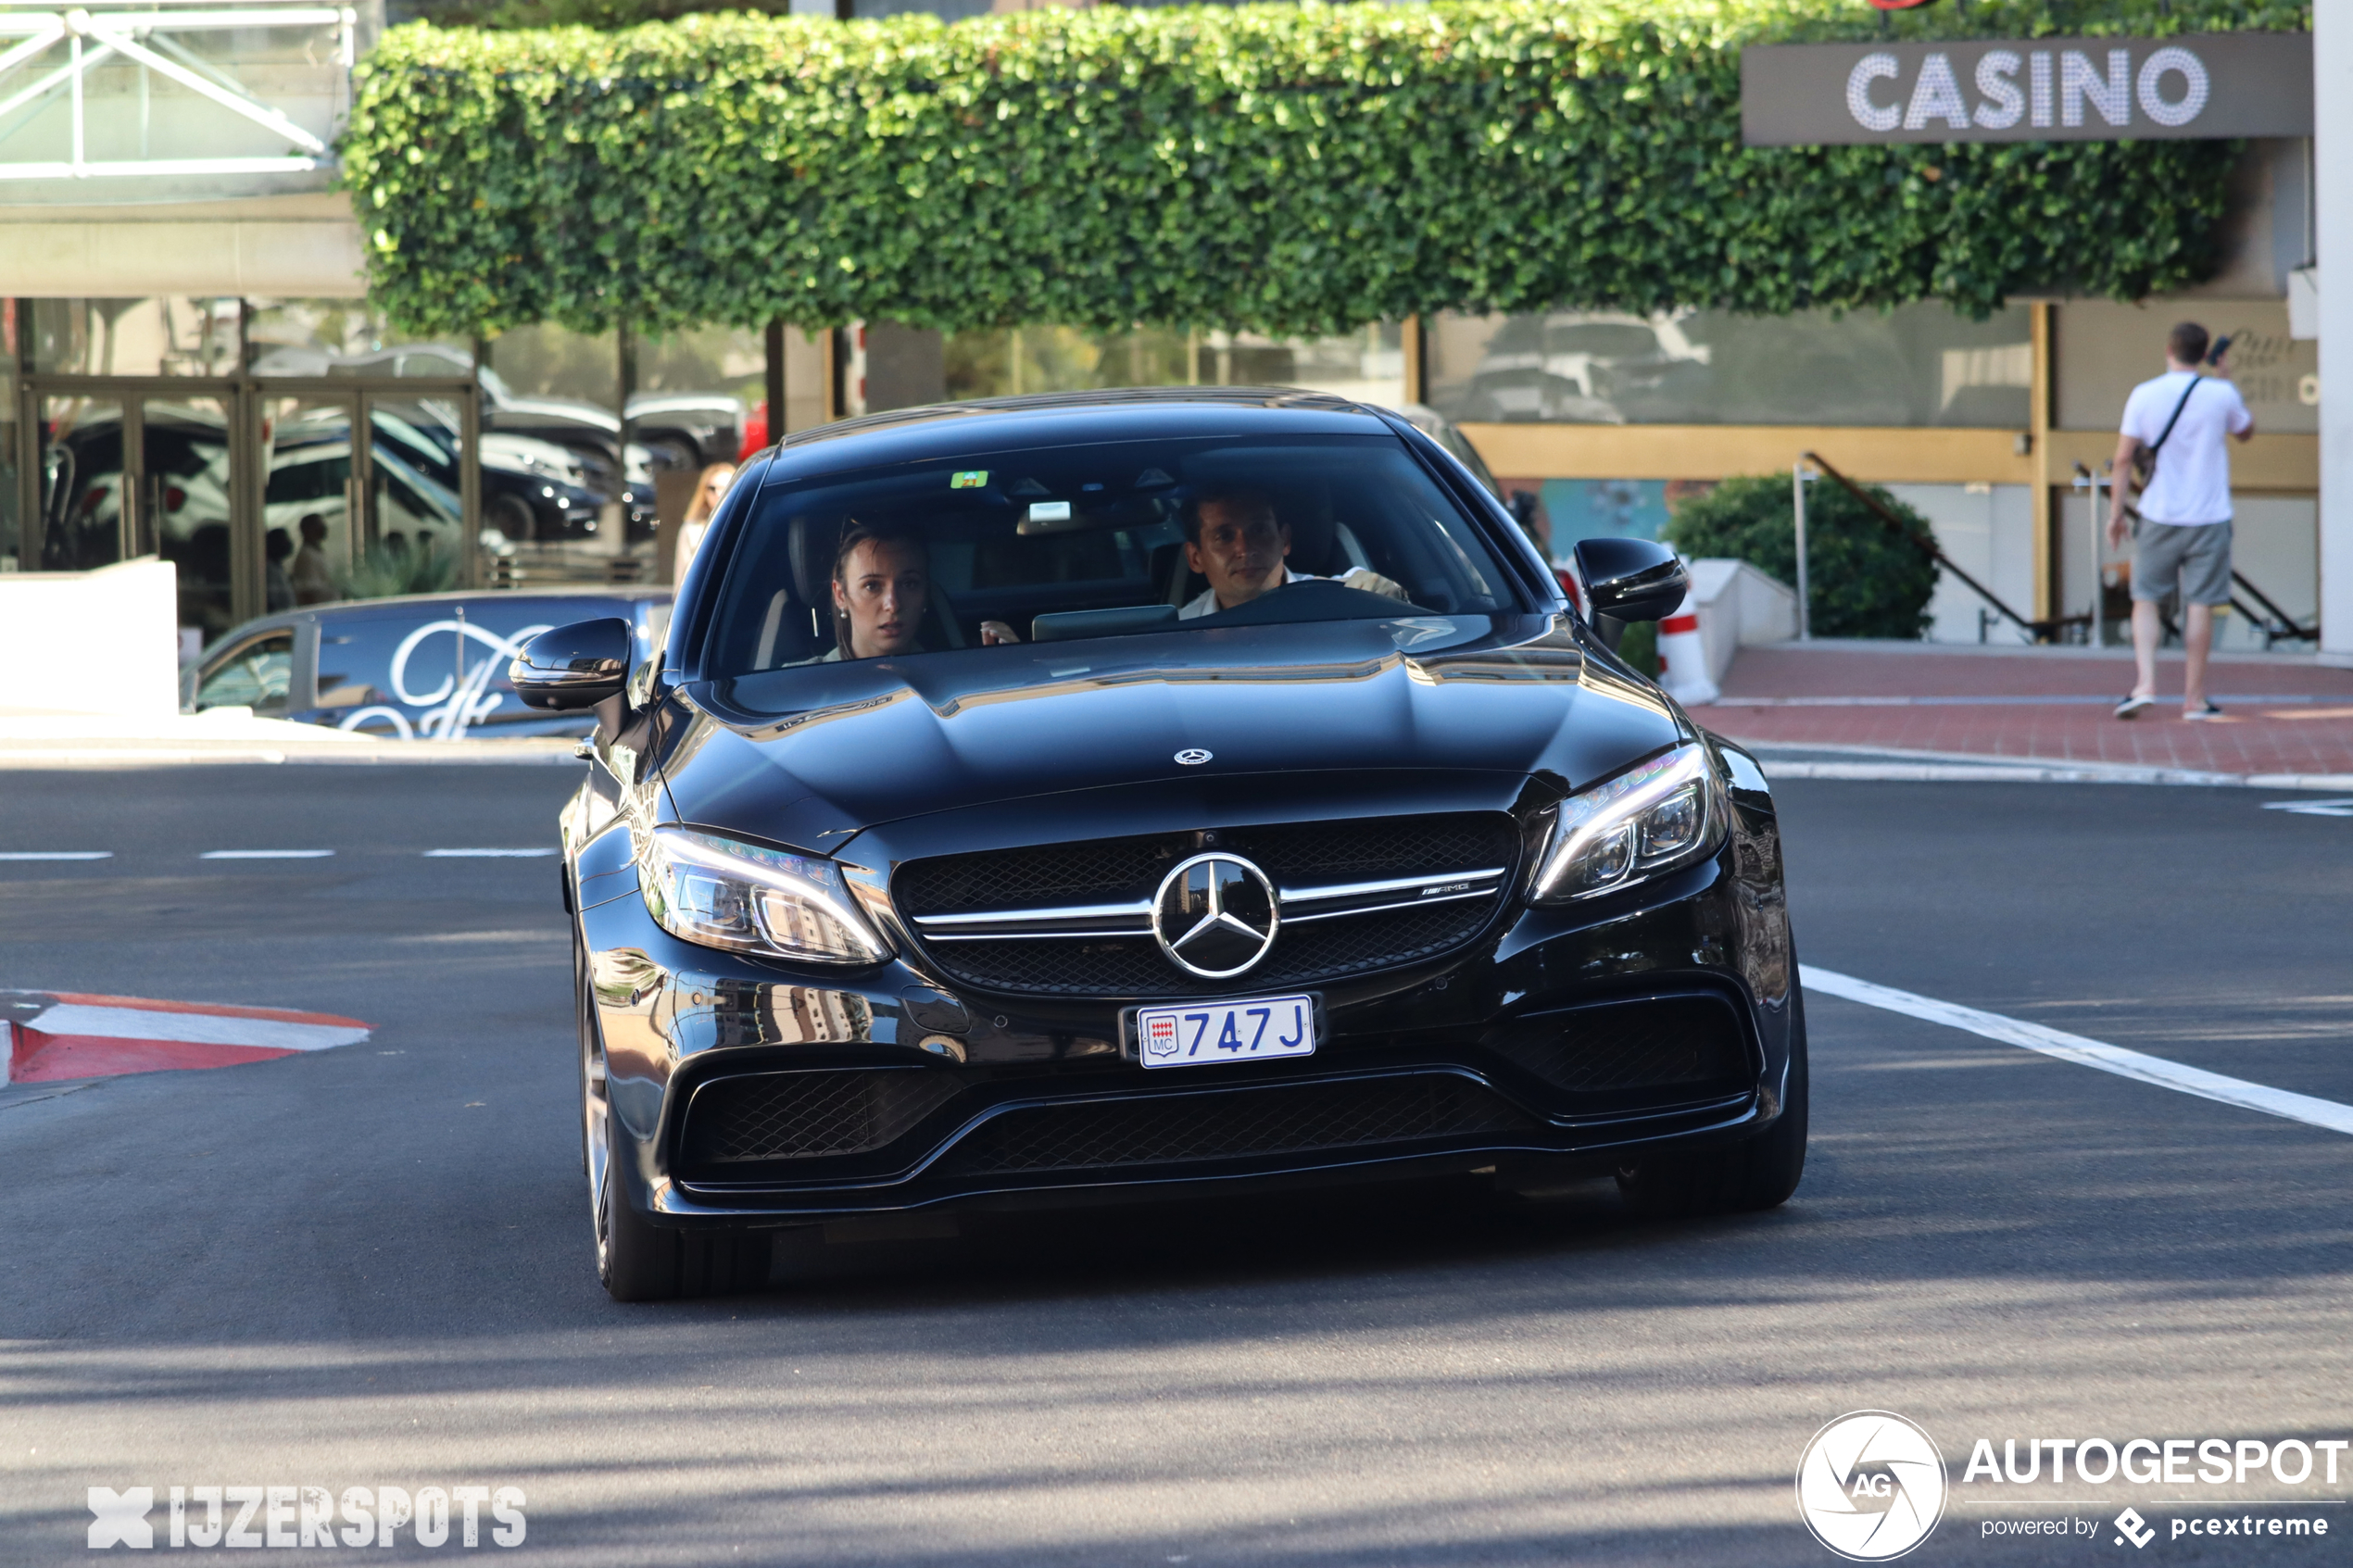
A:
(882, 587)
(1234, 538)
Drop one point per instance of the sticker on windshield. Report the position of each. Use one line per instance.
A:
(969, 479)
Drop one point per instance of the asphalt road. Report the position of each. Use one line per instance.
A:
(371, 1265)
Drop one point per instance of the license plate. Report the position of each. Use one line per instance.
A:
(1203, 1033)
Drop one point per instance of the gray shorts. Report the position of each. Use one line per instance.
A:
(2196, 554)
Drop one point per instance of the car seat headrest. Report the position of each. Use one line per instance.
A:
(813, 542)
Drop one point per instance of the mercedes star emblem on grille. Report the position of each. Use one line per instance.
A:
(1215, 915)
(1192, 756)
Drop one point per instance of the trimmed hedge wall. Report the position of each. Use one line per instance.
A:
(1288, 168)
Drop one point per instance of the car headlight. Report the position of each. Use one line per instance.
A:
(1665, 812)
(724, 894)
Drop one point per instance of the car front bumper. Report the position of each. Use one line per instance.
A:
(1588, 1037)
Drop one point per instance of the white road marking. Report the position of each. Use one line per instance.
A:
(57, 854)
(2057, 1043)
(2312, 807)
(197, 1028)
(486, 854)
(265, 854)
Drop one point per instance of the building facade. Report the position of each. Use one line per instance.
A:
(190, 367)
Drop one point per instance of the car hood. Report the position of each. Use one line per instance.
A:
(813, 756)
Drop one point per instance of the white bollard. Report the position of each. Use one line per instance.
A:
(1683, 657)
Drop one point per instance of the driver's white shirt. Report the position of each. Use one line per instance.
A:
(1205, 602)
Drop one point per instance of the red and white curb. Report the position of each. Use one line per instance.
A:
(49, 1036)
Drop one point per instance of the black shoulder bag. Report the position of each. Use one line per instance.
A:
(2145, 460)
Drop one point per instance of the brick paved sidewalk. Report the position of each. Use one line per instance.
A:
(2284, 714)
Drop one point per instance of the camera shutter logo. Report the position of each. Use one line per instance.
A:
(1870, 1486)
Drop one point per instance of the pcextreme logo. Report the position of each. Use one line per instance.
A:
(1870, 1486)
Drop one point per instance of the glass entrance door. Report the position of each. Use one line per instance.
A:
(124, 474)
(82, 522)
(415, 490)
(310, 500)
(266, 496)
(182, 494)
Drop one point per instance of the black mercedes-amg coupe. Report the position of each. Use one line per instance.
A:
(1142, 793)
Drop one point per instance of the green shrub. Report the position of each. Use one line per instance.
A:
(1639, 647)
(1863, 580)
(1286, 168)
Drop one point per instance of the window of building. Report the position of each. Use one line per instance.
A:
(1920, 365)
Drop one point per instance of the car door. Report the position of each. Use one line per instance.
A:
(256, 673)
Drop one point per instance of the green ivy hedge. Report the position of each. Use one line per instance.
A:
(1288, 168)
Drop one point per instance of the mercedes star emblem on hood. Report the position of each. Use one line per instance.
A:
(1192, 756)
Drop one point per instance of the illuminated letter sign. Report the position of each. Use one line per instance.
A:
(2204, 86)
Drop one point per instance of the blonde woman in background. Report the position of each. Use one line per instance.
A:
(710, 490)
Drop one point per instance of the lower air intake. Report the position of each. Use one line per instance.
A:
(805, 1115)
(1661, 1048)
(1234, 1125)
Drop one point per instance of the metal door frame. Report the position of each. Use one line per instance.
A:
(241, 399)
(138, 536)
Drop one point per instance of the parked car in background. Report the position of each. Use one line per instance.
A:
(425, 667)
(1578, 367)
(675, 427)
(687, 430)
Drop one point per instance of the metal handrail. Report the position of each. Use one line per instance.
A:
(2041, 631)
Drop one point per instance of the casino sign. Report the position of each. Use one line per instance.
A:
(2196, 86)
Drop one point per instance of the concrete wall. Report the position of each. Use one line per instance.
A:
(1739, 606)
(1988, 529)
(304, 245)
(92, 642)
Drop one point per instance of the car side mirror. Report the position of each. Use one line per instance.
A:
(1631, 579)
(574, 667)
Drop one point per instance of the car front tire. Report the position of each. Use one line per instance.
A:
(1760, 1173)
(637, 1261)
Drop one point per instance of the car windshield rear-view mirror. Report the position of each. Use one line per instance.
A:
(1062, 625)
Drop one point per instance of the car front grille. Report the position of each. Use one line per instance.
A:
(805, 1115)
(1661, 1048)
(1232, 1125)
(1128, 870)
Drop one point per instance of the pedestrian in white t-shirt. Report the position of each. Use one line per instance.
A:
(2182, 419)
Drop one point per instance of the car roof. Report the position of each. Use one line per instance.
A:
(352, 609)
(632, 591)
(946, 430)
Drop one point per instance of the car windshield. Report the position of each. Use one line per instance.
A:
(1109, 539)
